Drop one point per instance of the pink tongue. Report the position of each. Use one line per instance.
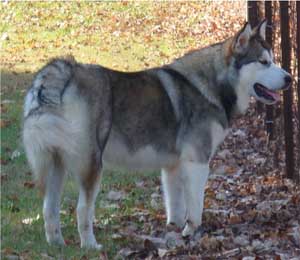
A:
(275, 95)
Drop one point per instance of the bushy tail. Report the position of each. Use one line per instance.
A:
(49, 86)
(46, 132)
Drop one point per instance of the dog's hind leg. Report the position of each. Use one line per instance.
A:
(53, 187)
(174, 197)
(89, 184)
(195, 176)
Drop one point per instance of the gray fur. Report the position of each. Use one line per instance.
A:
(172, 117)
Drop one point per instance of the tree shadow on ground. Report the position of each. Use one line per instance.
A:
(12, 81)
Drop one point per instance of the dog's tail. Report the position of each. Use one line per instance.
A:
(47, 132)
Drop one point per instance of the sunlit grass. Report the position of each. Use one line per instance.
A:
(121, 35)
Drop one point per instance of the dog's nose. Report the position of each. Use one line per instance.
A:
(288, 79)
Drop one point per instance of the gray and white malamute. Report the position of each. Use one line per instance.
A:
(171, 118)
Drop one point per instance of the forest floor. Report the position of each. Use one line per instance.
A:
(251, 210)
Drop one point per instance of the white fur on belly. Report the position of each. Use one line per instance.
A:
(116, 155)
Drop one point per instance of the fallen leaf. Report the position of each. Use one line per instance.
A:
(15, 154)
(29, 221)
(210, 243)
(29, 184)
(234, 219)
(4, 123)
(116, 195)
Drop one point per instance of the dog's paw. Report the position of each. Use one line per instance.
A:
(53, 235)
(92, 245)
(192, 232)
(173, 227)
(188, 230)
(56, 241)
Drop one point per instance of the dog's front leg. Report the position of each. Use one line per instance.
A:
(194, 178)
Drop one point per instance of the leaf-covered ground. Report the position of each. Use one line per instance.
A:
(250, 209)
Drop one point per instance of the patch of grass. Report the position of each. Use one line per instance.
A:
(92, 32)
(119, 35)
(116, 35)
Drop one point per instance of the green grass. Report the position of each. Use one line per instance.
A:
(119, 35)
(93, 32)
(28, 47)
(20, 202)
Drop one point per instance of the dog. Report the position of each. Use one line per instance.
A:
(79, 117)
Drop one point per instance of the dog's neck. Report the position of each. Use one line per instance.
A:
(213, 67)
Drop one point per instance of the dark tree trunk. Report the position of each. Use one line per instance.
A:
(288, 95)
(298, 85)
(269, 109)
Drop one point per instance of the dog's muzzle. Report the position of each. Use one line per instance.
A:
(271, 95)
(265, 93)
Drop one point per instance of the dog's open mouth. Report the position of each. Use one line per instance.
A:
(263, 92)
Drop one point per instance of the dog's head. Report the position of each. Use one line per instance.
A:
(253, 58)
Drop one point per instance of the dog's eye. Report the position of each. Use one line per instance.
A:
(264, 62)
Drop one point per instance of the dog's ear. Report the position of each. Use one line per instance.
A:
(261, 29)
(241, 41)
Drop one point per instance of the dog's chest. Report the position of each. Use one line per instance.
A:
(218, 134)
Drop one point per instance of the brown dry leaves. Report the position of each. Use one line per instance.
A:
(251, 212)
